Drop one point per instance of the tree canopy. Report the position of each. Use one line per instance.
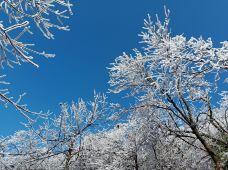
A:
(178, 118)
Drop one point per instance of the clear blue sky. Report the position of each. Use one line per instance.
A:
(100, 31)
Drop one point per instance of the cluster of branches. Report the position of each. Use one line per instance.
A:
(182, 80)
(19, 17)
(179, 119)
(140, 143)
(58, 142)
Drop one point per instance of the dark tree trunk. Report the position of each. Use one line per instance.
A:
(136, 162)
(211, 153)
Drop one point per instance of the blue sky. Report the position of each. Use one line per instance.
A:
(100, 31)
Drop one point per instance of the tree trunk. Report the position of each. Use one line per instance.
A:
(68, 158)
(212, 154)
(67, 165)
(136, 162)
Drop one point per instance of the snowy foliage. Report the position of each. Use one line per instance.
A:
(180, 79)
(59, 142)
(179, 119)
(20, 14)
(18, 18)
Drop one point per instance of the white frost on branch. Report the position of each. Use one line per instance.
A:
(19, 17)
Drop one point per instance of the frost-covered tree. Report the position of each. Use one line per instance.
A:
(185, 81)
(113, 149)
(59, 142)
(19, 149)
(65, 133)
(20, 17)
(141, 143)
